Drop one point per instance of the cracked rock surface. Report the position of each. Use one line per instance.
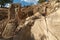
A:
(37, 26)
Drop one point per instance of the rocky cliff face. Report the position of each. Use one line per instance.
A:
(42, 24)
(47, 27)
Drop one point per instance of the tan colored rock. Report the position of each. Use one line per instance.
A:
(31, 28)
(53, 23)
(39, 29)
(9, 29)
(44, 28)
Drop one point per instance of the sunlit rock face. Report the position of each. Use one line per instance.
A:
(51, 0)
(37, 26)
(48, 28)
(45, 27)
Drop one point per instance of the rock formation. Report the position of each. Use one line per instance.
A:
(37, 22)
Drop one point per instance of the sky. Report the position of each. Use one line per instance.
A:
(26, 2)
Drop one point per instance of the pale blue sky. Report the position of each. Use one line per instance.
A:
(25, 2)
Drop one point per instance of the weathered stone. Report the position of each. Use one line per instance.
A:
(34, 23)
(39, 29)
(53, 24)
(9, 29)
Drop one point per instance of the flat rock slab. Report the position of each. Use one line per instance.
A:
(47, 28)
(53, 24)
(39, 29)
